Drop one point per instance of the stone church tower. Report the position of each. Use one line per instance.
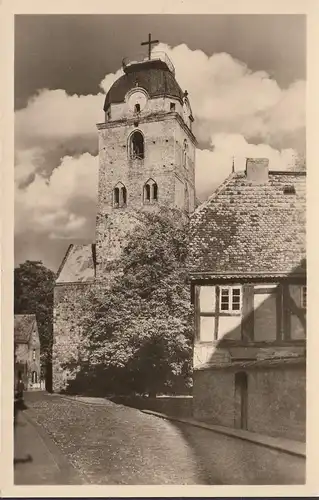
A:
(146, 151)
(146, 161)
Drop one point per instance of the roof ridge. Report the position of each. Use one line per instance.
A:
(64, 260)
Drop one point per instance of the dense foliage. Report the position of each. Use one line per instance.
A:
(138, 334)
(33, 294)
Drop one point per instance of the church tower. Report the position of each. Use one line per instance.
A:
(146, 151)
(146, 161)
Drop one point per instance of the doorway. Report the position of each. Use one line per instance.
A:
(241, 400)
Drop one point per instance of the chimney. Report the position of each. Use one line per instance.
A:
(257, 170)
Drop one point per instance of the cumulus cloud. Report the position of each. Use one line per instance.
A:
(238, 113)
(226, 96)
(109, 79)
(212, 167)
(62, 206)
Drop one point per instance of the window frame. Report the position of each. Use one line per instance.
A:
(230, 310)
(150, 187)
(131, 155)
(121, 190)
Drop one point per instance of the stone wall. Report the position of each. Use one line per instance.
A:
(176, 406)
(278, 402)
(276, 399)
(162, 162)
(69, 307)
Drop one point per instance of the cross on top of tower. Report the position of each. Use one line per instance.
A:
(150, 42)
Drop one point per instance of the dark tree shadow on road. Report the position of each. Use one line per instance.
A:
(19, 406)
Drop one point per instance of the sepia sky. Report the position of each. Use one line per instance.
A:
(245, 75)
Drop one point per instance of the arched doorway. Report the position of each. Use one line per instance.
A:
(34, 377)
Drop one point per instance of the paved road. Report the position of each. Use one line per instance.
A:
(108, 443)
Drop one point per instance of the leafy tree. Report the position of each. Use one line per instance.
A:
(138, 333)
(33, 294)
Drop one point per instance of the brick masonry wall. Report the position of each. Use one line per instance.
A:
(163, 163)
(276, 400)
(69, 304)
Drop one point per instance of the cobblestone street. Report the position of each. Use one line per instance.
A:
(106, 443)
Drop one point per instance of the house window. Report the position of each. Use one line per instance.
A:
(137, 108)
(150, 191)
(304, 297)
(34, 377)
(230, 299)
(33, 354)
(172, 106)
(119, 196)
(136, 146)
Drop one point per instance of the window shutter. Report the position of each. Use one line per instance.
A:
(247, 331)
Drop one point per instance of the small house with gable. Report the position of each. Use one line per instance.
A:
(248, 281)
(27, 350)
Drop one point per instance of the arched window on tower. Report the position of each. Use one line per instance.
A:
(136, 146)
(119, 195)
(150, 191)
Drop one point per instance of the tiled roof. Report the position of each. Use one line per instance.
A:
(247, 229)
(77, 265)
(23, 324)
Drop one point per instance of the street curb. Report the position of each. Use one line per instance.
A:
(87, 403)
(67, 469)
(290, 447)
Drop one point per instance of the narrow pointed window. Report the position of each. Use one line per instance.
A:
(136, 146)
(116, 201)
(119, 196)
(123, 192)
(185, 150)
(186, 199)
(150, 191)
(155, 191)
(147, 193)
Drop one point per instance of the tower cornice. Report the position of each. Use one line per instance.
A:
(153, 117)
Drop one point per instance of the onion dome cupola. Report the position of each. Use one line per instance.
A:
(147, 86)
